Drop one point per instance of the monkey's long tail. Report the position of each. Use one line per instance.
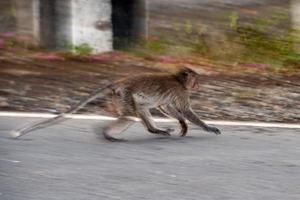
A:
(61, 117)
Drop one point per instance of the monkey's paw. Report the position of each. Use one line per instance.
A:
(112, 139)
(162, 132)
(15, 134)
(169, 130)
(214, 130)
(166, 132)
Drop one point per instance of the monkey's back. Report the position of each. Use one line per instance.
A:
(152, 90)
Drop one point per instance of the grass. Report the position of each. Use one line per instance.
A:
(261, 40)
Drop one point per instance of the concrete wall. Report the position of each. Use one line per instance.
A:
(28, 19)
(91, 24)
(61, 23)
(141, 18)
(7, 16)
(80, 22)
(295, 13)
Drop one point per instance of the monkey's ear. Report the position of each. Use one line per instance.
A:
(185, 71)
(183, 75)
(184, 68)
(189, 71)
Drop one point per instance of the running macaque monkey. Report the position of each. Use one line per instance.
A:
(134, 96)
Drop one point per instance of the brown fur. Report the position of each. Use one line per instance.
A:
(169, 93)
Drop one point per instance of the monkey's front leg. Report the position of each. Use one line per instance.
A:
(147, 120)
(192, 117)
(170, 111)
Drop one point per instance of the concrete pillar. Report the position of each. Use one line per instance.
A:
(295, 14)
(91, 24)
(64, 20)
(27, 19)
(47, 24)
(80, 22)
(141, 18)
(130, 21)
(7, 16)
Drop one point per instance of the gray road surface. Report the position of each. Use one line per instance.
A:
(71, 162)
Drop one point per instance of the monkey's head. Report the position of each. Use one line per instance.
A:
(189, 78)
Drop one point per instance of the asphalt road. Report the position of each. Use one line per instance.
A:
(71, 161)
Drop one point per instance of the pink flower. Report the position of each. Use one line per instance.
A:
(7, 34)
(24, 38)
(256, 65)
(167, 59)
(153, 38)
(13, 50)
(101, 58)
(104, 57)
(48, 56)
(2, 44)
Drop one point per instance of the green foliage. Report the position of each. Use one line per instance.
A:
(156, 46)
(245, 94)
(188, 27)
(82, 49)
(200, 46)
(201, 29)
(279, 16)
(13, 11)
(11, 43)
(144, 47)
(262, 45)
(258, 38)
(233, 18)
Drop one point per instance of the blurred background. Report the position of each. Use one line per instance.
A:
(55, 52)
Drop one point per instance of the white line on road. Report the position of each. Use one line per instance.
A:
(7, 160)
(106, 118)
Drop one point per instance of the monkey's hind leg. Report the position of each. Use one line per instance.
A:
(116, 127)
(149, 123)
